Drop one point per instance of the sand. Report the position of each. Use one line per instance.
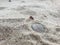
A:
(16, 28)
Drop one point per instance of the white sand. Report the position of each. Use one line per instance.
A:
(15, 25)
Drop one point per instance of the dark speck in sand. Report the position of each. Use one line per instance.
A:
(31, 17)
(1, 8)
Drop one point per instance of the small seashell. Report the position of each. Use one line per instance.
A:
(38, 27)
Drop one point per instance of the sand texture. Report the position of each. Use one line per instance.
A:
(18, 28)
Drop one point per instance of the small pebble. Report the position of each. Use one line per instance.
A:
(31, 18)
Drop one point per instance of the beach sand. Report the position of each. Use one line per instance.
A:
(17, 28)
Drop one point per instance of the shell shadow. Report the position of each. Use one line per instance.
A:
(1, 8)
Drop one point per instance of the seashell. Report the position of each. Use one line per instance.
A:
(38, 27)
